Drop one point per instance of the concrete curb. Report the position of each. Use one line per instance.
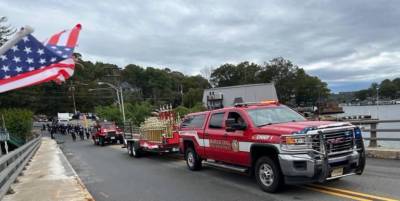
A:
(88, 196)
(383, 153)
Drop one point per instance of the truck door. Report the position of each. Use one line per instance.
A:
(194, 125)
(237, 139)
(219, 146)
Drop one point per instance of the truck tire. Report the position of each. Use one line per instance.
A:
(268, 174)
(193, 160)
(136, 152)
(101, 141)
(129, 147)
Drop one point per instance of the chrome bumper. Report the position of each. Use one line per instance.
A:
(304, 165)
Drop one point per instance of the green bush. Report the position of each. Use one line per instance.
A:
(182, 111)
(109, 113)
(137, 112)
(198, 107)
(18, 122)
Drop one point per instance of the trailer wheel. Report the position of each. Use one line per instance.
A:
(193, 160)
(135, 150)
(268, 174)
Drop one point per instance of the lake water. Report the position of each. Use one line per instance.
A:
(383, 112)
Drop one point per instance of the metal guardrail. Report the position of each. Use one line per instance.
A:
(12, 164)
(373, 123)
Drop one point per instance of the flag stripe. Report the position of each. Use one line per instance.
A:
(45, 75)
(65, 64)
(73, 37)
(55, 38)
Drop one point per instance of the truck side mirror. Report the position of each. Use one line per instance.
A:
(232, 126)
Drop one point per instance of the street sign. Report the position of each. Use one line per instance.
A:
(4, 135)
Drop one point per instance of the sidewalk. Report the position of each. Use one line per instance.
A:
(49, 177)
(383, 153)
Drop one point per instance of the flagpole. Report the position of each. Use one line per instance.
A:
(16, 37)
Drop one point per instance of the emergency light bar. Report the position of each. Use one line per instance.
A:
(265, 102)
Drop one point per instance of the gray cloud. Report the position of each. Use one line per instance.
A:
(343, 42)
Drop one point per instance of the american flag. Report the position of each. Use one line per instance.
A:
(30, 62)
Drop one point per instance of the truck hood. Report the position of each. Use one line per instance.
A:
(292, 127)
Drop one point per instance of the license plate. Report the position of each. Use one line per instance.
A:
(337, 172)
(113, 138)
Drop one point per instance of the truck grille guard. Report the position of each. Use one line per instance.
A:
(330, 140)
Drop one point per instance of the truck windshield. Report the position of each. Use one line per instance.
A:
(273, 115)
(108, 126)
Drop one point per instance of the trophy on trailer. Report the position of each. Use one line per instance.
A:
(157, 133)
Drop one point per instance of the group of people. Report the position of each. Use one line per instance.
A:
(67, 129)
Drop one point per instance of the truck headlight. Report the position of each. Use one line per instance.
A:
(296, 143)
(357, 133)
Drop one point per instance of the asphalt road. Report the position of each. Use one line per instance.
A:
(111, 175)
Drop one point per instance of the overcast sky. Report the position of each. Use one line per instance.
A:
(348, 44)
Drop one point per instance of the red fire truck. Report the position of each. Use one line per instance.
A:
(272, 142)
(106, 132)
(156, 134)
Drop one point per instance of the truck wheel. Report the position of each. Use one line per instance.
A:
(193, 160)
(101, 141)
(135, 150)
(268, 174)
(129, 147)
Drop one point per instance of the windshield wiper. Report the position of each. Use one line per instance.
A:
(267, 124)
(270, 123)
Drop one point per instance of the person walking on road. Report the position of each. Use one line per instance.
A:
(87, 131)
(52, 131)
(73, 135)
(81, 134)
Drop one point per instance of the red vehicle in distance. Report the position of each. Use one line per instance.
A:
(272, 142)
(107, 133)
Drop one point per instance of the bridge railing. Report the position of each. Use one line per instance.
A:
(12, 164)
(373, 130)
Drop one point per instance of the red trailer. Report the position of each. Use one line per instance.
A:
(156, 134)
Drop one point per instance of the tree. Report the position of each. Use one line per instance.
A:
(230, 74)
(362, 94)
(192, 97)
(387, 89)
(109, 113)
(137, 112)
(18, 122)
(5, 30)
(282, 72)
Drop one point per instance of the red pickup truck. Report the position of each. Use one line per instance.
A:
(107, 132)
(272, 142)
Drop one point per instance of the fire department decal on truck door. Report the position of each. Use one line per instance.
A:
(220, 144)
(235, 145)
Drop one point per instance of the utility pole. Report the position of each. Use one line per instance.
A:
(122, 103)
(181, 86)
(119, 93)
(72, 88)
